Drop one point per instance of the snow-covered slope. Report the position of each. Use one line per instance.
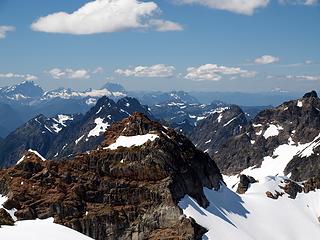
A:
(37, 229)
(253, 216)
(40, 230)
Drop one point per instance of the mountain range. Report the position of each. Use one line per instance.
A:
(147, 181)
(21, 102)
(125, 170)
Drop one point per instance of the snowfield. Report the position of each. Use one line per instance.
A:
(129, 141)
(253, 216)
(39, 230)
(272, 130)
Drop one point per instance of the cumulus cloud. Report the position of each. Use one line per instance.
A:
(304, 77)
(266, 59)
(4, 30)
(105, 16)
(158, 70)
(28, 77)
(69, 73)
(214, 72)
(246, 7)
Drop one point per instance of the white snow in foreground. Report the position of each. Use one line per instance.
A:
(39, 230)
(299, 103)
(100, 127)
(130, 141)
(32, 151)
(272, 130)
(253, 216)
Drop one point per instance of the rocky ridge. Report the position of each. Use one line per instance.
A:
(289, 133)
(123, 192)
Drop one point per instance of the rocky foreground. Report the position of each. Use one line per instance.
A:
(118, 191)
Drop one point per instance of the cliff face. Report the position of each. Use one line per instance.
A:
(119, 191)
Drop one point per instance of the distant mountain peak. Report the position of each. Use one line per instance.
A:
(312, 94)
(114, 87)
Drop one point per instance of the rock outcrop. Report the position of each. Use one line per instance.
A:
(244, 183)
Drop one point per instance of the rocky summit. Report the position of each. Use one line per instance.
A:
(129, 188)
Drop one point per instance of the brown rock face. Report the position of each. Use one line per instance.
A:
(127, 193)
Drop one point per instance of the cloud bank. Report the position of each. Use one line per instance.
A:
(28, 77)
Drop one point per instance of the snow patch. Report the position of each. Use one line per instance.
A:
(272, 130)
(282, 155)
(100, 127)
(32, 151)
(130, 141)
(78, 140)
(62, 119)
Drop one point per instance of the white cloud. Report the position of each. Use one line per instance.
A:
(98, 70)
(28, 77)
(158, 70)
(266, 59)
(165, 26)
(105, 16)
(246, 7)
(69, 73)
(5, 29)
(213, 72)
(304, 77)
(301, 2)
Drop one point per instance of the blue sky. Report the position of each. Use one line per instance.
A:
(262, 46)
